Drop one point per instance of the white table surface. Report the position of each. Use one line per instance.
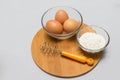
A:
(20, 20)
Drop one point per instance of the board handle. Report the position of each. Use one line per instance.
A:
(79, 58)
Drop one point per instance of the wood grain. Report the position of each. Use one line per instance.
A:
(58, 65)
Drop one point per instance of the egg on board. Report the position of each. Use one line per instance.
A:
(70, 25)
(61, 16)
(54, 26)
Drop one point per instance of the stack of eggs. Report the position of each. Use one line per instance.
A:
(62, 24)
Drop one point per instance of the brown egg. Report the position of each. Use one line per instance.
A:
(61, 16)
(54, 26)
(70, 25)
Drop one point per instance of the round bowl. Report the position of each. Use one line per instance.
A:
(95, 30)
(50, 15)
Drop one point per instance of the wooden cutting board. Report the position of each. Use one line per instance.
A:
(58, 65)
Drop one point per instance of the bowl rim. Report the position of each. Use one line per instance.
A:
(97, 50)
(62, 35)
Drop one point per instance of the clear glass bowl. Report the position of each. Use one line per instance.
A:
(50, 14)
(98, 30)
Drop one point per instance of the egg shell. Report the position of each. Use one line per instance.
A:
(70, 25)
(61, 16)
(54, 26)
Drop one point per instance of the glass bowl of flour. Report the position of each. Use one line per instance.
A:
(93, 39)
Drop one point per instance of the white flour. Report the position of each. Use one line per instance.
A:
(92, 41)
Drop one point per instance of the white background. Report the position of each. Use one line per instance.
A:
(20, 20)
